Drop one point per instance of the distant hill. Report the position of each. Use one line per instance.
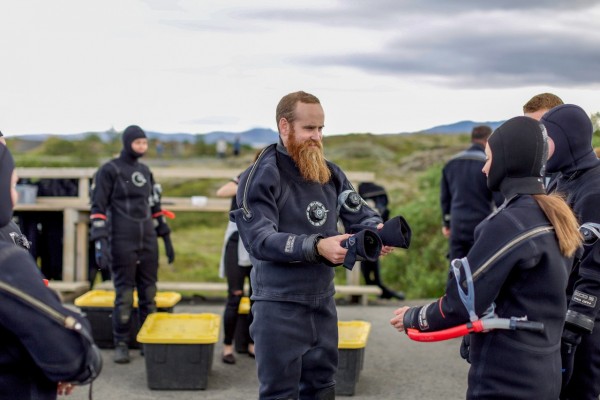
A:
(460, 127)
(257, 137)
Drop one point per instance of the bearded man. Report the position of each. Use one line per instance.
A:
(289, 202)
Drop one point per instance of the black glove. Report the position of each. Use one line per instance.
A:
(169, 248)
(161, 226)
(364, 245)
(102, 253)
(568, 344)
(465, 348)
(395, 232)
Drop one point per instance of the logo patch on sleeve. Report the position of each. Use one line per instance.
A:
(289, 245)
(584, 299)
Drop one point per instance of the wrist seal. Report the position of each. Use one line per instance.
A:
(309, 248)
(580, 321)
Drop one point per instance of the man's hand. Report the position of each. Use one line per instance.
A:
(398, 321)
(102, 253)
(446, 232)
(331, 248)
(64, 388)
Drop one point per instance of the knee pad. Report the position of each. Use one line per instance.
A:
(149, 295)
(124, 310)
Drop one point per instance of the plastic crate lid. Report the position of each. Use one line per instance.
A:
(244, 307)
(353, 334)
(106, 298)
(169, 328)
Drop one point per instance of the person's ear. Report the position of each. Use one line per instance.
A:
(284, 129)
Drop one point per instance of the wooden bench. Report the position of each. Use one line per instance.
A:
(76, 209)
(349, 290)
(68, 291)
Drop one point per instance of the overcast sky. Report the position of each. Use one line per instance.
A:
(380, 66)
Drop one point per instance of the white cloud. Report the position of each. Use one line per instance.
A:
(195, 66)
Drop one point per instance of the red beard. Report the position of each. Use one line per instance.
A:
(309, 159)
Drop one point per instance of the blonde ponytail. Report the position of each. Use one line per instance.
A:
(564, 221)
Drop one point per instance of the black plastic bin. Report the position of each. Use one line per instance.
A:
(353, 337)
(98, 306)
(178, 349)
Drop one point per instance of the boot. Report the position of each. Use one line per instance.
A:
(121, 353)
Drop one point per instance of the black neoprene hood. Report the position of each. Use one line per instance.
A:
(571, 129)
(7, 165)
(519, 153)
(130, 134)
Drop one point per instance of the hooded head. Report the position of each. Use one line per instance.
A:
(130, 134)
(519, 150)
(571, 130)
(7, 166)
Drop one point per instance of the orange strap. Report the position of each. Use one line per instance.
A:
(166, 213)
(98, 216)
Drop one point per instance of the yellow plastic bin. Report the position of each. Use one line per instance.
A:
(353, 336)
(242, 327)
(98, 305)
(178, 349)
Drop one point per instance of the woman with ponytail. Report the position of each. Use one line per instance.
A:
(517, 268)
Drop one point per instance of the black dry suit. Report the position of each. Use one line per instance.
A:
(295, 320)
(517, 265)
(579, 180)
(124, 201)
(36, 349)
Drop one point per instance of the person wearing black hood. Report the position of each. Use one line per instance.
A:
(11, 232)
(577, 171)
(45, 348)
(519, 266)
(126, 211)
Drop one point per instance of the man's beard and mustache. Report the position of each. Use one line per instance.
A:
(309, 159)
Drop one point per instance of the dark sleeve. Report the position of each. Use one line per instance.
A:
(59, 352)
(584, 300)
(103, 186)
(445, 199)
(449, 311)
(156, 206)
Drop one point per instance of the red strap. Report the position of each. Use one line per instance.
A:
(166, 213)
(445, 334)
(98, 216)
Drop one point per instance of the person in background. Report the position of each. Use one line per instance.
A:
(535, 108)
(288, 204)
(516, 268)
(235, 265)
(44, 350)
(377, 198)
(126, 210)
(464, 196)
(540, 104)
(221, 148)
(577, 177)
(11, 232)
(237, 145)
(45, 228)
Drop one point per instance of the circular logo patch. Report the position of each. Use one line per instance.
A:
(316, 213)
(138, 179)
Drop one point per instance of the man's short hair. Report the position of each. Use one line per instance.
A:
(287, 105)
(542, 101)
(481, 132)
